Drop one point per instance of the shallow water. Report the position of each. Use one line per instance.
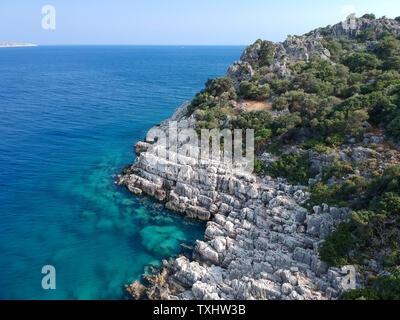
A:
(69, 118)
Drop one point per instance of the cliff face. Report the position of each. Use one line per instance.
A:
(260, 242)
(353, 27)
(302, 48)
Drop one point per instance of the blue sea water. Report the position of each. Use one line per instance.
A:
(69, 118)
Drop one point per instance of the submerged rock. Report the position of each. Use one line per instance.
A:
(259, 242)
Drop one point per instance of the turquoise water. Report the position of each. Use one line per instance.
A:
(69, 119)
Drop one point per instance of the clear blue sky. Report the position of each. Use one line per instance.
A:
(175, 21)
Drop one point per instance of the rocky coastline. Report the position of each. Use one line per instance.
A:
(260, 243)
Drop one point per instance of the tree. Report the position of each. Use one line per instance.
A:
(259, 166)
(219, 86)
(311, 84)
(386, 47)
(296, 169)
(266, 53)
(360, 62)
(394, 128)
(280, 103)
(334, 47)
(254, 91)
(298, 101)
(369, 16)
(261, 139)
(367, 35)
(280, 86)
(387, 204)
(287, 122)
(389, 286)
(334, 250)
(392, 63)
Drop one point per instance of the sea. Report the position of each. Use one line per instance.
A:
(69, 117)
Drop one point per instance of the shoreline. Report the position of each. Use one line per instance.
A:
(259, 243)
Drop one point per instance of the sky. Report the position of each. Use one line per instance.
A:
(176, 22)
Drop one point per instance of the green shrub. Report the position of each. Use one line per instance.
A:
(364, 217)
(369, 16)
(335, 249)
(385, 287)
(386, 47)
(280, 86)
(295, 168)
(259, 166)
(334, 47)
(280, 103)
(386, 204)
(219, 86)
(311, 84)
(262, 137)
(319, 193)
(337, 169)
(374, 226)
(367, 293)
(287, 123)
(298, 101)
(354, 186)
(257, 120)
(321, 148)
(388, 287)
(392, 63)
(360, 62)
(216, 94)
(392, 259)
(345, 119)
(266, 53)
(316, 146)
(389, 181)
(264, 134)
(254, 91)
(367, 35)
(335, 140)
(393, 128)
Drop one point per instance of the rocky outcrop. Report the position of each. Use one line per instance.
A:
(240, 71)
(294, 48)
(259, 242)
(302, 48)
(353, 27)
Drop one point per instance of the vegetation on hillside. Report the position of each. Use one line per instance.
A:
(324, 106)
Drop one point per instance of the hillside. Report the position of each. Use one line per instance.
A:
(325, 107)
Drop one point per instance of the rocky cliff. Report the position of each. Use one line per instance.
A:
(260, 241)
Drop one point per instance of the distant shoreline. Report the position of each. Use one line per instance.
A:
(15, 45)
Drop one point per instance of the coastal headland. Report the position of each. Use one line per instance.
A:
(278, 233)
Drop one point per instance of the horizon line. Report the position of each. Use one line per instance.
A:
(148, 45)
